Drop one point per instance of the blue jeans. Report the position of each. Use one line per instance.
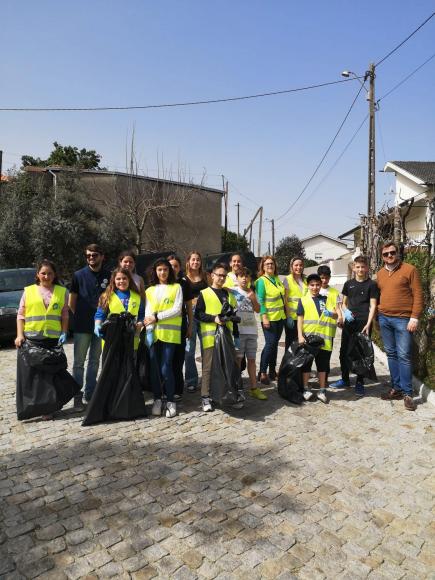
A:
(162, 374)
(398, 347)
(84, 342)
(270, 350)
(190, 370)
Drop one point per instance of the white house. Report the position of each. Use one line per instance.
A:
(321, 247)
(414, 190)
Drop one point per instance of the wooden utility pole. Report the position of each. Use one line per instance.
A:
(372, 233)
(238, 219)
(249, 227)
(260, 227)
(225, 189)
(273, 237)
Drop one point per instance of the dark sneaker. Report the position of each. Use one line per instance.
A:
(409, 403)
(392, 395)
(78, 403)
(264, 379)
(340, 384)
(272, 374)
(359, 390)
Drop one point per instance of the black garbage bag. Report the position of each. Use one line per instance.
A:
(143, 363)
(117, 394)
(44, 385)
(225, 372)
(362, 356)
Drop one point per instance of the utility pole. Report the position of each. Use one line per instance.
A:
(238, 219)
(260, 227)
(372, 233)
(273, 237)
(225, 189)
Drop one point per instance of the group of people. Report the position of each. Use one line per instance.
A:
(174, 308)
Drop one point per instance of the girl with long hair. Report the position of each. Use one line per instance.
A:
(295, 284)
(127, 260)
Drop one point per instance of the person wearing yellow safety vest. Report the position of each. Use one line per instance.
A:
(236, 263)
(207, 311)
(317, 315)
(271, 296)
(43, 311)
(163, 319)
(121, 295)
(296, 287)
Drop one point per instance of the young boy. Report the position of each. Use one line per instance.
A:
(247, 305)
(360, 298)
(208, 308)
(317, 315)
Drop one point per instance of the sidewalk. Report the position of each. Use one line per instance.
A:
(343, 490)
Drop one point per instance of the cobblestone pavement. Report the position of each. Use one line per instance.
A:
(343, 490)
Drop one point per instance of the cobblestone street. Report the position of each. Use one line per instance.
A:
(343, 490)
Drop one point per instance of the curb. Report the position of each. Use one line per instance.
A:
(420, 389)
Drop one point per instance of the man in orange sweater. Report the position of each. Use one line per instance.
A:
(400, 306)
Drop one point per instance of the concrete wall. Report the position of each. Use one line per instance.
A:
(193, 223)
(340, 271)
(320, 248)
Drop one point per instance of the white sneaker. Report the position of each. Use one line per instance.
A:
(171, 409)
(322, 396)
(206, 405)
(157, 408)
(307, 394)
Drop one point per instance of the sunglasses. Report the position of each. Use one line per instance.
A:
(391, 253)
(92, 255)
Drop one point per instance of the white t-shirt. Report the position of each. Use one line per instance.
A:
(245, 309)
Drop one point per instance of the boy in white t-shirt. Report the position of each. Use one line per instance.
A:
(248, 305)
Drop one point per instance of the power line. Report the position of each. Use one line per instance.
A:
(406, 78)
(330, 170)
(405, 40)
(181, 104)
(323, 157)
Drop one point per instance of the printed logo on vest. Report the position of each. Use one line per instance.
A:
(55, 306)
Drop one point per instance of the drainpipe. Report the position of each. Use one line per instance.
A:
(54, 183)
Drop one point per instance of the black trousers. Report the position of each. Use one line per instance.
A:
(177, 366)
(348, 329)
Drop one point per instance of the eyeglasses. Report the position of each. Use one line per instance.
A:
(391, 253)
(92, 255)
(219, 275)
(269, 264)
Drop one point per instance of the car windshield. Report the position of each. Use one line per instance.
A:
(11, 280)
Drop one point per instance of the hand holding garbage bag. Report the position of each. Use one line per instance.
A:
(361, 356)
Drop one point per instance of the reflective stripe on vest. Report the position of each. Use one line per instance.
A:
(169, 329)
(117, 307)
(40, 321)
(213, 306)
(318, 325)
(274, 299)
(294, 293)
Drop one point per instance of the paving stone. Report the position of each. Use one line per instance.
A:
(192, 559)
(145, 573)
(50, 532)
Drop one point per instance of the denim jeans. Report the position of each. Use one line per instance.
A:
(270, 350)
(398, 347)
(190, 370)
(162, 374)
(86, 344)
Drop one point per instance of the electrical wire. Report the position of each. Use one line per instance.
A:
(181, 104)
(405, 40)
(406, 78)
(323, 157)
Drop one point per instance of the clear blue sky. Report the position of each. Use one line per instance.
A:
(106, 52)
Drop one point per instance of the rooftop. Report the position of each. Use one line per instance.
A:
(424, 171)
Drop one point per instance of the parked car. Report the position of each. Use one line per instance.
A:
(12, 283)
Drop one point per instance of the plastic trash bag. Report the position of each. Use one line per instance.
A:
(143, 363)
(225, 372)
(362, 356)
(44, 385)
(117, 394)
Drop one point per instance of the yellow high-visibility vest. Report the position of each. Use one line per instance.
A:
(231, 281)
(40, 321)
(323, 326)
(169, 329)
(117, 307)
(213, 306)
(274, 299)
(294, 293)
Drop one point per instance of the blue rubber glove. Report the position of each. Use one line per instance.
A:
(237, 342)
(348, 316)
(327, 312)
(290, 323)
(62, 339)
(149, 337)
(97, 330)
